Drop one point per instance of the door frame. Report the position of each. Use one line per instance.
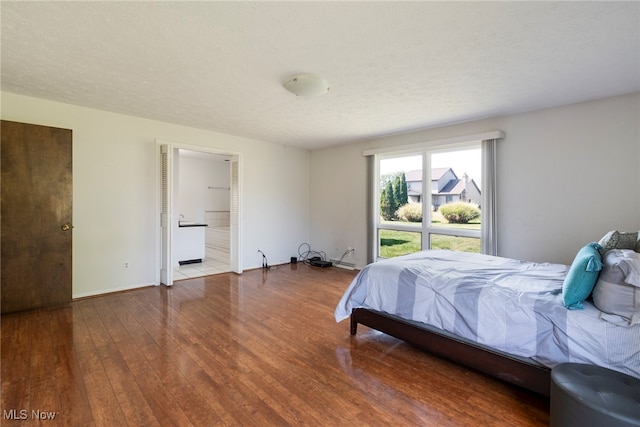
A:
(236, 222)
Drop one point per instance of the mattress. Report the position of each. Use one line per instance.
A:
(510, 305)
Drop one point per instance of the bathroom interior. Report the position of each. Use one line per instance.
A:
(201, 243)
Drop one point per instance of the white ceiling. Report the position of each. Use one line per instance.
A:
(392, 66)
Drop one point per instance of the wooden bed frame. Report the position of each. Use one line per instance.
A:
(519, 371)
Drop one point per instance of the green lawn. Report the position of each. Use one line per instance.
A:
(395, 243)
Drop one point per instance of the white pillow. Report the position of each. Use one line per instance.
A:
(617, 290)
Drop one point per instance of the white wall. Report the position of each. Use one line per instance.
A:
(195, 193)
(115, 186)
(566, 176)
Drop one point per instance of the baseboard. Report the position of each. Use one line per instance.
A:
(343, 264)
(91, 294)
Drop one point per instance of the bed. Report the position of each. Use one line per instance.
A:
(501, 316)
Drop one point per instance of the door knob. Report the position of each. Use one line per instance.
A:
(65, 227)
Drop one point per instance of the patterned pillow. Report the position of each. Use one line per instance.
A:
(619, 240)
(628, 240)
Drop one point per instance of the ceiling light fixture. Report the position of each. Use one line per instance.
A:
(307, 85)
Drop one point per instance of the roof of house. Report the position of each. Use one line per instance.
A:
(457, 186)
(453, 187)
(436, 174)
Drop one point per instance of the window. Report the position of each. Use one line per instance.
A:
(417, 192)
(399, 190)
(435, 196)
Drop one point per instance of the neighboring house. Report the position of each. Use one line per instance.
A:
(414, 185)
(446, 187)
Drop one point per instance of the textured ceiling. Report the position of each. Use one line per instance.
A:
(392, 66)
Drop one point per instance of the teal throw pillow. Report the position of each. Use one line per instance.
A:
(582, 276)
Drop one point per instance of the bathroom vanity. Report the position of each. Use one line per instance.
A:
(189, 242)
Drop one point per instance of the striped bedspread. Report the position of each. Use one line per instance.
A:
(513, 306)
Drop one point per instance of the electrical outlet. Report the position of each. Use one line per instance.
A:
(126, 265)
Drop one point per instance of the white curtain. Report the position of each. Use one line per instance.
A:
(371, 211)
(489, 237)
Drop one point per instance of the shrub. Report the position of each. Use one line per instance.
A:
(411, 212)
(460, 212)
(437, 218)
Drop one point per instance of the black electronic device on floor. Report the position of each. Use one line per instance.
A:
(318, 262)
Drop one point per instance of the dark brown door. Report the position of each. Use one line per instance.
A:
(36, 183)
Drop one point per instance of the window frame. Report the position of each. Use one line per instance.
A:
(489, 151)
(426, 228)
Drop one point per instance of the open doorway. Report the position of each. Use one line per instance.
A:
(202, 204)
(199, 224)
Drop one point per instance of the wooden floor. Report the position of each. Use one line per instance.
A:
(261, 348)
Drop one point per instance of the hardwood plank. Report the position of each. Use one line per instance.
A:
(72, 395)
(101, 396)
(261, 348)
(118, 348)
(16, 364)
(172, 351)
(43, 386)
(243, 402)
